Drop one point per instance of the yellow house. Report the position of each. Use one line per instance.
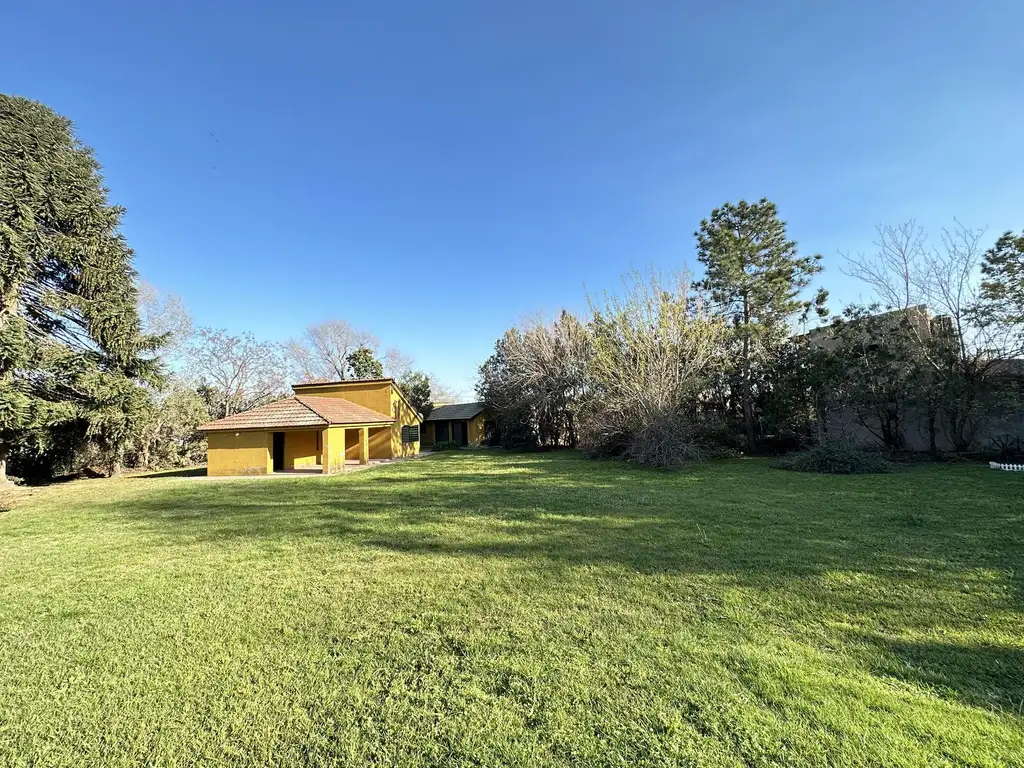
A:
(317, 430)
(463, 423)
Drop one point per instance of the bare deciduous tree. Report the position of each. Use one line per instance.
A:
(164, 314)
(536, 381)
(961, 356)
(241, 371)
(322, 353)
(441, 393)
(397, 364)
(655, 352)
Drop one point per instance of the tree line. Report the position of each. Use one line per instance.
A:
(670, 369)
(98, 368)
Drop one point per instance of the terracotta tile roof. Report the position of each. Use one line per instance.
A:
(341, 383)
(456, 412)
(338, 410)
(300, 411)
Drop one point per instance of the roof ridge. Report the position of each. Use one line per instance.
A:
(311, 408)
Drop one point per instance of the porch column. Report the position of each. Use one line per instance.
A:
(325, 451)
(364, 445)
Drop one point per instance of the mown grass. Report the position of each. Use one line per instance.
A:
(495, 609)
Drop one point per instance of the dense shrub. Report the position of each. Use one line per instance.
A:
(654, 350)
(836, 457)
(447, 445)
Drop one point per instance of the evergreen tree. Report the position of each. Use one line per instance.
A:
(363, 365)
(1002, 288)
(754, 277)
(416, 386)
(72, 357)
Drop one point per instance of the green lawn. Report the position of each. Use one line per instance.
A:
(495, 609)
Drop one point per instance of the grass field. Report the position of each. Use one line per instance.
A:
(495, 609)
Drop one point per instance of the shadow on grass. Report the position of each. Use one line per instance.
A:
(738, 516)
(985, 676)
(186, 472)
(880, 550)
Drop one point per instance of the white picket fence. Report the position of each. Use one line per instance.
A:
(1006, 467)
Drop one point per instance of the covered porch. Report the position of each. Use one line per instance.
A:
(327, 450)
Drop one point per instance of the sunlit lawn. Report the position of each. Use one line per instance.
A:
(496, 609)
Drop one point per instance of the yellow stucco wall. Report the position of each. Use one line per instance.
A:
(375, 395)
(300, 449)
(334, 448)
(352, 444)
(475, 430)
(238, 453)
(404, 415)
(380, 396)
(380, 443)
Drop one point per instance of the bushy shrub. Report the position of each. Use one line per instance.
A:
(836, 457)
(654, 351)
(447, 445)
(661, 443)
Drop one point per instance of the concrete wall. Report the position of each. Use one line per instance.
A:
(238, 453)
(915, 427)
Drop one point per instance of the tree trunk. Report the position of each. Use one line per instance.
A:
(115, 466)
(748, 400)
(933, 447)
(3, 465)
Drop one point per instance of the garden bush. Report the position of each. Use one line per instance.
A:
(836, 457)
(447, 445)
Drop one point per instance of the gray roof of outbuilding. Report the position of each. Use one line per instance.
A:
(456, 412)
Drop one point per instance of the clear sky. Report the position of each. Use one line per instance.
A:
(435, 171)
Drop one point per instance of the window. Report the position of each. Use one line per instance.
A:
(411, 433)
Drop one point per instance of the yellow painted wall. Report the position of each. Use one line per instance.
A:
(475, 430)
(238, 453)
(404, 415)
(375, 395)
(300, 449)
(380, 443)
(352, 444)
(334, 448)
(427, 432)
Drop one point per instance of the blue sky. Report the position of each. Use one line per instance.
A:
(436, 171)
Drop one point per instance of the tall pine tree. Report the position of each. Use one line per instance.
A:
(1002, 290)
(754, 277)
(73, 361)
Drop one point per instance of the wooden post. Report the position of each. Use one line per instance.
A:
(364, 445)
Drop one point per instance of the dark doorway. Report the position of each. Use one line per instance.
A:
(278, 451)
(459, 433)
(441, 431)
